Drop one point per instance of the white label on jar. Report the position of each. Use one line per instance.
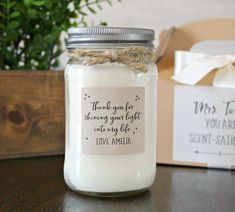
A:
(113, 120)
(204, 125)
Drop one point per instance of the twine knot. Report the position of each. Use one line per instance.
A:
(133, 57)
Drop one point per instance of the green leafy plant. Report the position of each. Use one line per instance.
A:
(30, 30)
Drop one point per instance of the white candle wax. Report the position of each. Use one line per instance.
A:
(107, 173)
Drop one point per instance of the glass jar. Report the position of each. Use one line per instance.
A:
(110, 94)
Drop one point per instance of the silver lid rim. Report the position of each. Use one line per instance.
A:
(102, 35)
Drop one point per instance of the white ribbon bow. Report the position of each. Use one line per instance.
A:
(191, 67)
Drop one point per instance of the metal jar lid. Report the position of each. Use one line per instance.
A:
(97, 36)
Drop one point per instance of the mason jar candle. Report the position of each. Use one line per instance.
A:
(110, 94)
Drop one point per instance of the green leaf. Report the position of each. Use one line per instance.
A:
(57, 53)
(9, 56)
(103, 23)
(14, 14)
(73, 24)
(2, 26)
(98, 5)
(3, 5)
(28, 2)
(55, 64)
(38, 3)
(13, 25)
(73, 15)
(82, 13)
(109, 2)
(2, 15)
(32, 14)
(91, 10)
(11, 4)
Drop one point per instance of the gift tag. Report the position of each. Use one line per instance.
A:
(204, 125)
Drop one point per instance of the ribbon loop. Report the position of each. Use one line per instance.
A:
(191, 67)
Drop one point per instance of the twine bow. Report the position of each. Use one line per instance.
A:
(133, 57)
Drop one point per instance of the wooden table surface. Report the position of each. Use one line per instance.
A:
(37, 185)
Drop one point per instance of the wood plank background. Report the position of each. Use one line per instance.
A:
(32, 113)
